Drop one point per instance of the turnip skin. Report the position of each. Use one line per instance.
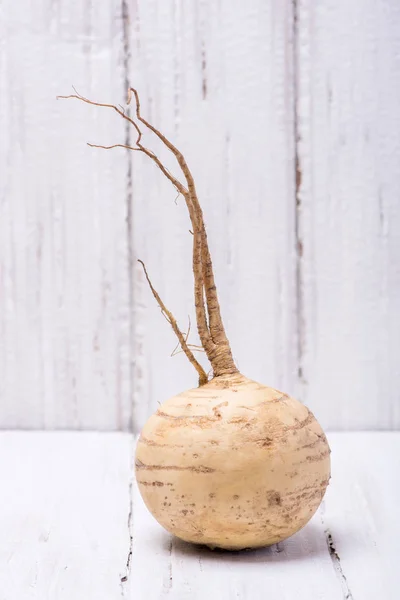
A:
(232, 464)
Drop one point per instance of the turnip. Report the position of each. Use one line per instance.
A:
(231, 463)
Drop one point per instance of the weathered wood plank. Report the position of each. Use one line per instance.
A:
(361, 513)
(218, 81)
(64, 515)
(64, 301)
(312, 291)
(348, 89)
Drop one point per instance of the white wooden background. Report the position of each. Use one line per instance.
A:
(289, 115)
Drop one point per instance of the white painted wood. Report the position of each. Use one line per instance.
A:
(348, 107)
(310, 291)
(66, 520)
(64, 288)
(64, 514)
(361, 512)
(216, 77)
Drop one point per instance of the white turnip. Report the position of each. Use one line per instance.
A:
(232, 463)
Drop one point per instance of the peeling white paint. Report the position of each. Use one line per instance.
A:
(349, 152)
(83, 344)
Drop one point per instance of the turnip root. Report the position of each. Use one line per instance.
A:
(232, 463)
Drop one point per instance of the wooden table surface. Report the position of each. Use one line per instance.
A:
(73, 527)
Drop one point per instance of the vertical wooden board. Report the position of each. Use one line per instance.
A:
(64, 516)
(64, 297)
(216, 77)
(361, 513)
(348, 116)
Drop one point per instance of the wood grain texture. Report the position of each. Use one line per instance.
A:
(71, 529)
(217, 79)
(360, 513)
(288, 114)
(348, 107)
(65, 507)
(64, 289)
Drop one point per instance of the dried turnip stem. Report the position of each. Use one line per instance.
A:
(208, 314)
(220, 355)
(172, 321)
